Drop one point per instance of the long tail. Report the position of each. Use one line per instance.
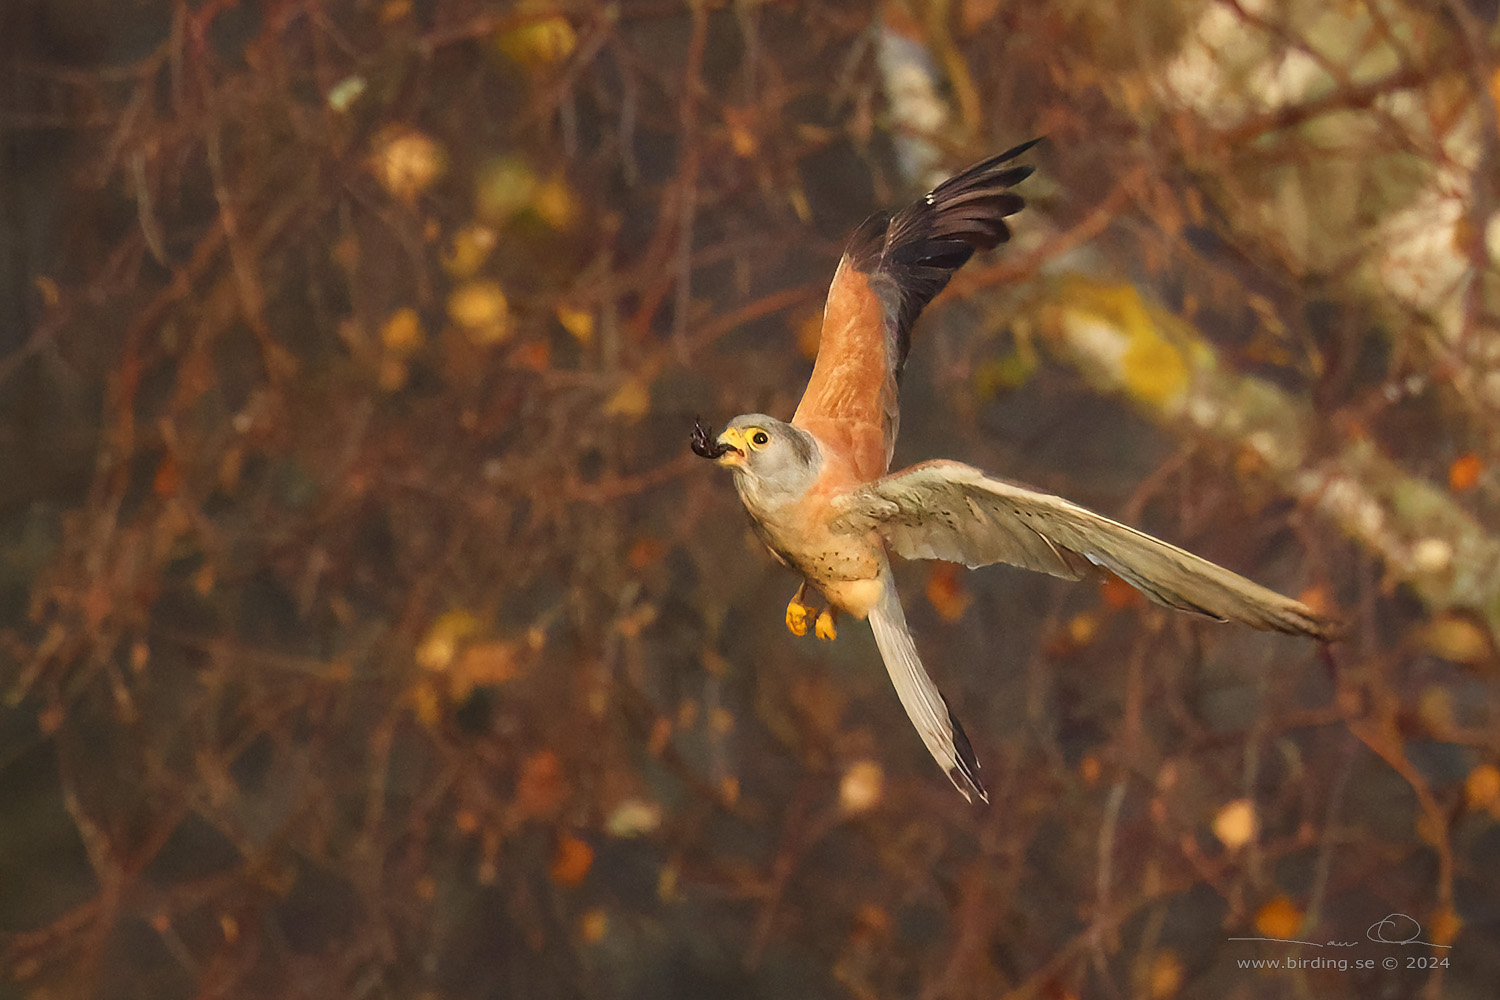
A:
(936, 725)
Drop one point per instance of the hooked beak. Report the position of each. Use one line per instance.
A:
(727, 449)
(731, 447)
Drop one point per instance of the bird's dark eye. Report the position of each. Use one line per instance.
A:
(760, 439)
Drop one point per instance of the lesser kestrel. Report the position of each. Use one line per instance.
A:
(820, 496)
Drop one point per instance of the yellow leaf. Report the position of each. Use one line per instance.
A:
(1236, 823)
(1083, 628)
(741, 124)
(578, 322)
(632, 818)
(995, 375)
(49, 290)
(402, 332)
(342, 95)
(594, 925)
(861, 787)
(406, 162)
(1456, 639)
(503, 187)
(393, 374)
(555, 203)
(472, 246)
(1120, 328)
(437, 648)
(540, 42)
(666, 883)
(481, 310)
(721, 721)
(426, 705)
(1154, 369)
(1435, 709)
(632, 401)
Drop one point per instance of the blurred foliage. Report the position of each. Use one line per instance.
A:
(368, 629)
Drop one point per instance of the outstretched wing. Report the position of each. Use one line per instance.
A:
(947, 510)
(929, 713)
(892, 268)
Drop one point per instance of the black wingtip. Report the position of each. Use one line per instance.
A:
(1015, 151)
(920, 247)
(965, 775)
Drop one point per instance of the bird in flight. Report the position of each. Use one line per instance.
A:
(820, 494)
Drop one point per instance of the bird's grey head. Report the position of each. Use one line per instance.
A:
(769, 457)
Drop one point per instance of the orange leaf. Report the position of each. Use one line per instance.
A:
(1280, 918)
(1316, 597)
(1119, 594)
(168, 479)
(1165, 977)
(542, 787)
(483, 664)
(631, 401)
(644, 552)
(1482, 787)
(1463, 474)
(594, 925)
(945, 591)
(536, 356)
(1083, 628)
(1445, 926)
(402, 333)
(1089, 769)
(572, 861)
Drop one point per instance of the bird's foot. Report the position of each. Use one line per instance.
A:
(825, 626)
(796, 617)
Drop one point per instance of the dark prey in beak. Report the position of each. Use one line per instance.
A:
(703, 442)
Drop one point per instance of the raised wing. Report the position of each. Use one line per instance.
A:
(892, 268)
(952, 511)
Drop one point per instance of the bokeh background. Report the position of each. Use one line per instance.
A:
(368, 630)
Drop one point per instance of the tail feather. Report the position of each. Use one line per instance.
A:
(924, 705)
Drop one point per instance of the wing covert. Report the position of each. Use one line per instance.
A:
(952, 511)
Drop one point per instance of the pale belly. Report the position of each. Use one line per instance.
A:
(846, 569)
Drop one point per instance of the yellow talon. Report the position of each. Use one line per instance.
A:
(796, 617)
(823, 628)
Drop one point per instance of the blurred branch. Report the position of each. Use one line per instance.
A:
(1163, 366)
